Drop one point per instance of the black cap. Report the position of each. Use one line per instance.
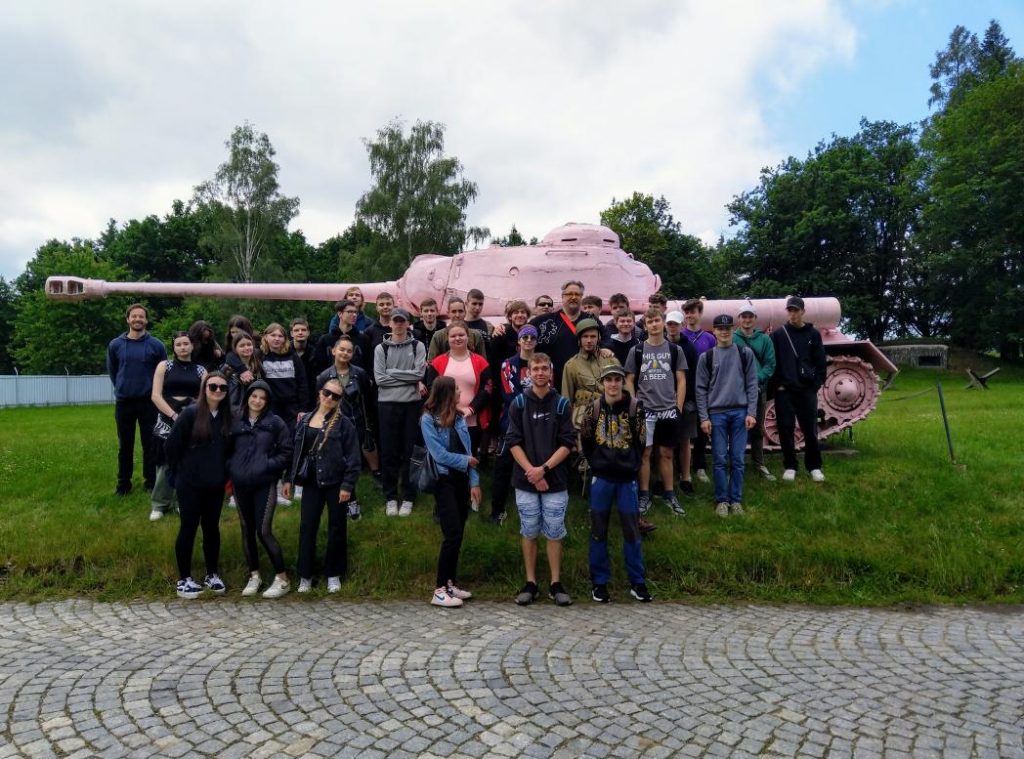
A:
(794, 301)
(400, 313)
(722, 320)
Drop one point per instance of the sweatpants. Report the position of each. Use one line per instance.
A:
(256, 507)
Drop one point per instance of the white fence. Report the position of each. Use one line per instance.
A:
(54, 390)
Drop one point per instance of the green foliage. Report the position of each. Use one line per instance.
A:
(648, 231)
(513, 239)
(8, 298)
(51, 337)
(975, 212)
(896, 522)
(966, 63)
(418, 200)
(841, 222)
(245, 204)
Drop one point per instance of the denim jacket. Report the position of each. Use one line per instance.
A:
(435, 438)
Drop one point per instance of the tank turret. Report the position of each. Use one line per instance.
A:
(586, 252)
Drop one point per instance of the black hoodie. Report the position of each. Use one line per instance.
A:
(258, 452)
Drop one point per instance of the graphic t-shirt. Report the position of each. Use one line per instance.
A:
(654, 379)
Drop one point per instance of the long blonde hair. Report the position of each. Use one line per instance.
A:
(265, 346)
(334, 417)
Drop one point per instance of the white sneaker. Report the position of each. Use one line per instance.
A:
(252, 587)
(333, 584)
(297, 492)
(391, 509)
(765, 473)
(817, 475)
(277, 588)
(702, 476)
(282, 501)
(406, 509)
(232, 503)
(459, 593)
(156, 515)
(441, 598)
(305, 585)
(722, 509)
(789, 475)
(474, 505)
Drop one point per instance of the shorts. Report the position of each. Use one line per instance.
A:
(663, 428)
(542, 513)
(691, 421)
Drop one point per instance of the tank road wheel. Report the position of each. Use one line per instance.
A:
(849, 394)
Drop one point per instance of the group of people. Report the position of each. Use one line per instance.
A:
(551, 397)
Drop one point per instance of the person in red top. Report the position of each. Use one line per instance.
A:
(472, 374)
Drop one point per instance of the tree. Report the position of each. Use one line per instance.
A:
(648, 231)
(245, 201)
(419, 198)
(51, 337)
(8, 303)
(477, 235)
(840, 222)
(965, 63)
(974, 216)
(513, 239)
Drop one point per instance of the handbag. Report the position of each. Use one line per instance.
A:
(423, 469)
(162, 427)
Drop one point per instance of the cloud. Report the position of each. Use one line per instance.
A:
(553, 109)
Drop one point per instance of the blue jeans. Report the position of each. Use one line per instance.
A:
(728, 441)
(602, 493)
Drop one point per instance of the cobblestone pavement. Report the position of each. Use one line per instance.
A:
(322, 678)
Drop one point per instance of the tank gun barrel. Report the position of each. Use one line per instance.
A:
(79, 288)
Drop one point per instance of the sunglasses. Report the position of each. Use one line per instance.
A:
(545, 305)
(330, 394)
(216, 387)
(531, 338)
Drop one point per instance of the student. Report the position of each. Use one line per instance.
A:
(242, 366)
(132, 358)
(206, 351)
(541, 437)
(285, 373)
(429, 322)
(298, 330)
(176, 384)
(197, 453)
(625, 336)
(613, 435)
(447, 440)
(674, 321)
(380, 329)
(325, 461)
(439, 341)
(236, 324)
(323, 355)
(515, 377)
(760, 344)
(727, 404)
(656, 375)
(693, 311)
(472, 374)
(592, 305)
(260, 449)
(398, 366)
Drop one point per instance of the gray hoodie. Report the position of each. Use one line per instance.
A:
(397, 368)
(732, 383)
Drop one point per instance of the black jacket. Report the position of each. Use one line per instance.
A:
(337, 461)
(323, 359)
(259, 452)
(809, 348)
(203, 465)
(540, 426)
(613, 440)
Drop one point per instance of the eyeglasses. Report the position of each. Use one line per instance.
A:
(330, 394)
(216, 387)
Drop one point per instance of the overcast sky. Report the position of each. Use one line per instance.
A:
(114, 109)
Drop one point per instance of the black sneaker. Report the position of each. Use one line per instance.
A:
(498, 519)
(123, 490)
(640, 593)
(600, 594)
(557, 594)
(527, 594)
(148, 485)
(686, 488)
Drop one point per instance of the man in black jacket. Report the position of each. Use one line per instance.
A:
(799, 373)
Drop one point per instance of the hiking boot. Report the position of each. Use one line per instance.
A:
(644, 504)
(391, 509)
(557, 594)
(441, 598)
(673, 503)
(214, 584)
(189, 588)
(646, 528)
(722, 509)
(252, 587)
(789, 475)
(639, 591)
(406, 509)
(736, 508)
(686, 488)
(305, 584)
(457, 592)
(600, 594)
(817, 475)
(702, 476)
(765, 474)
(333, 584)
(527, 594)
(156, 515)
(277, 588)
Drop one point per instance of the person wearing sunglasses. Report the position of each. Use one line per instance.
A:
(197, 451)
(325, 461)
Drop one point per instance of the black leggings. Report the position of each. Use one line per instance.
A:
(314, 498)
(502, 481)
(198, 507)
(452, 495)
(256, 515)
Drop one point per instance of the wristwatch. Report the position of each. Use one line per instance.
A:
(546, 468)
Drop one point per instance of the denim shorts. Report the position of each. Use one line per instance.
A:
(542, 513)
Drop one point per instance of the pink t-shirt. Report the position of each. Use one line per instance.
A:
(465, 379)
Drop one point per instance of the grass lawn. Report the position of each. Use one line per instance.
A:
(895, 522)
